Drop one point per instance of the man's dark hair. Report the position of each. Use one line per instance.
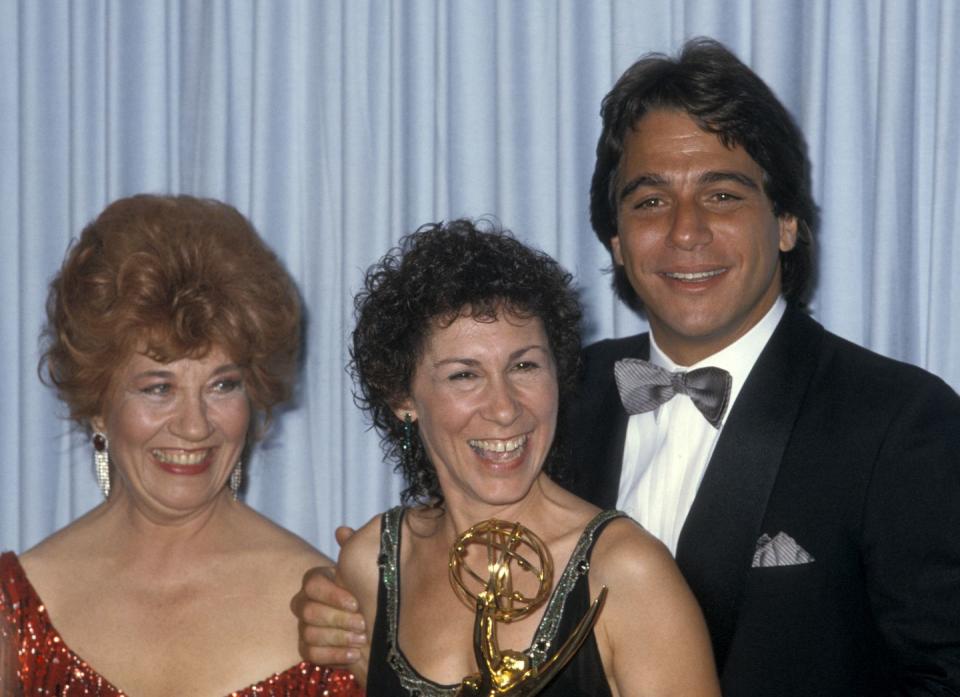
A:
(725, 98)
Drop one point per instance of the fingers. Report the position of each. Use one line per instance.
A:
(320, 586)
(329, 646)
(318, 613)
(343, 533)
(332, 632)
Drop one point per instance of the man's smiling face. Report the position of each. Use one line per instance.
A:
(696, 235)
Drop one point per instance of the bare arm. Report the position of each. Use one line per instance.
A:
(651, 633)
(332, 629)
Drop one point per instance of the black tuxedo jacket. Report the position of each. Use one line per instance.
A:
(855, 456)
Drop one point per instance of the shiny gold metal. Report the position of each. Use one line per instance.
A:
(506, 544)
(506, 672)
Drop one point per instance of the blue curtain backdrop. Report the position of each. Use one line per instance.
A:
(337, 126)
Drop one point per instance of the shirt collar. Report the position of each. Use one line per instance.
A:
(737, 358)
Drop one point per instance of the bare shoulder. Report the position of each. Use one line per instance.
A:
(356, 565)
(626, 551)
(44, 551)
(269, 540)
(73, 546)
(365, 540)
(644, 585)
(648, 597)
(357, 568)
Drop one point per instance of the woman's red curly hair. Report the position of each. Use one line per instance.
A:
(171, 276)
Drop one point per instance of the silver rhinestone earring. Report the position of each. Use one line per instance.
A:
(101, 462)
(236, 479)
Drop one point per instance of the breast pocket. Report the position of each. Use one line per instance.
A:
(779, 580)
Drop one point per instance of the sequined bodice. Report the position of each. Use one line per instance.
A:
(567, 604)
(45, 665)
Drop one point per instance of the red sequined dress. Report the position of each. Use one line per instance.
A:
(45, 665)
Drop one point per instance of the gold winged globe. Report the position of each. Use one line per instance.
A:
(492, 594)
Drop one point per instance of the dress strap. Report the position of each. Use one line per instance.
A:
(389, 561)
(577, 566)
(546, 635)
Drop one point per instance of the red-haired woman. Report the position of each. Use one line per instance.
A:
(172, 332)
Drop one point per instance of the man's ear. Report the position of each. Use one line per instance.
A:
(615, 250)
(788, 232)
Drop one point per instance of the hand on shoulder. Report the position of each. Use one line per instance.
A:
(332, 603)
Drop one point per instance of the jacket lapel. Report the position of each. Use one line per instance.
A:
(599, 424)
(616, 421)
(719, 536)
(608, 481)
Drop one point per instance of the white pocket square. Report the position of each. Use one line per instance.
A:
(779, 550)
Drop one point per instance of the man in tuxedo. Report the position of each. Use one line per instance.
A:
(809, 489)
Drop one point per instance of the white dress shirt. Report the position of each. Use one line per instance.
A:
(667, 450)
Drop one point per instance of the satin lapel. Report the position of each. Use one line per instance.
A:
(617, 436)
(606, 424)
(608, 485)
(718, 539)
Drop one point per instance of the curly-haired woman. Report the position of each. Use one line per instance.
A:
(464, 353)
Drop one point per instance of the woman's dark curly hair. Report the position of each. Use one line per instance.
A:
(172, 276)
(439, 273)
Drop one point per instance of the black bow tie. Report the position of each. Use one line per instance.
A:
(644, 386)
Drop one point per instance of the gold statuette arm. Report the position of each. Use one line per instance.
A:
(553, 665)
(508, 673)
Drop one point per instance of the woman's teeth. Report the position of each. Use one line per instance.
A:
(501, 447)
(180, 457)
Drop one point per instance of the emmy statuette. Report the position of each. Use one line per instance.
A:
(506, 672)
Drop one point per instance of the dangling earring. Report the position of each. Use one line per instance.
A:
(236, 479)
(101, 462)
(406, 444)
